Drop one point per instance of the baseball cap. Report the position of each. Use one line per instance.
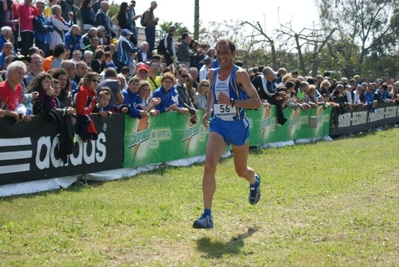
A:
(143, 67)
(126, 32)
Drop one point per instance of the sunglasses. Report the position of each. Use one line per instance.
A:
(96, 81)
(205, 85)
(184, 76)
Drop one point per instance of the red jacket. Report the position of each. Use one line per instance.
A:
(26, 15)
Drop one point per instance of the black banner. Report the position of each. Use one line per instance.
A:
(28, 150)
(363, 118)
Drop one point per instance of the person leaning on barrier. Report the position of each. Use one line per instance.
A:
(46, 105)
(168, 95)
(11, 92)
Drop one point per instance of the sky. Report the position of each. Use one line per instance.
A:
(301, 13)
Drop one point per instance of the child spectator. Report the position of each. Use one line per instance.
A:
(72, 38)
(85, 102)
(104, 95)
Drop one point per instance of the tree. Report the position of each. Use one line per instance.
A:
(180, 29)
(364, 27)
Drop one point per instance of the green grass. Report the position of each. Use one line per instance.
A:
(325, 204)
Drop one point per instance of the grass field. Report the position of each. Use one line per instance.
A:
(325, 204)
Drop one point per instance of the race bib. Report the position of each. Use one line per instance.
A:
(224, 111)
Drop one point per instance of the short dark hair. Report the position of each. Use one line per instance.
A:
(227, 42)
(58, 50)
(184, 35)
(99, 53)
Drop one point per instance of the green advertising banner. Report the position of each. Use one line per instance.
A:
(171, 136)
(265, 129)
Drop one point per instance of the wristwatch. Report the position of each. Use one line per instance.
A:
(232, 102)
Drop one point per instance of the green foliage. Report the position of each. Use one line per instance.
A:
(180, 29)
(113, 10)
(323, 204)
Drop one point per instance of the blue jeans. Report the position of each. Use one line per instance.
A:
(150, 38)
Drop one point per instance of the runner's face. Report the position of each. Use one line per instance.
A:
(224, 55)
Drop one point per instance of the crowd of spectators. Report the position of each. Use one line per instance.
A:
(68, 73)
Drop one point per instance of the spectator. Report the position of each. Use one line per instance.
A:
(122, 81)
(102, 19)
(47, 10)
(60, 25)
(16, 17)
(70, 68)
(7, 61)
(203, 74)
(94, 45)
(88, 15)
(35, 67)
(265, 85)
(59, 55)
(11, 91)
(72, 38)
(85, 102)
(108, 61)
(9, 18)
(150, 22)
(7, 50)
(146, 97)
(81, 71)
(5, 36)
(202, 95)
(88, 57)
(96, 6)
(68, 8)
(27, 13)
(111, 81)
(125, 49)
(169, 98)
(132, 18)
(102, 108)
(42, 29)
(184, 94)
(104, 40)
(183, 51)
(170, 47)
(65, 95)
(46, 104)
(86, 38)
(193, 71)
(359, 97)
(132, 100)
(98, 65)
(190, 88)
(142, 52)
(124, 21)
(143, 71)
(154, 79)
(310, 97)
(76, 56)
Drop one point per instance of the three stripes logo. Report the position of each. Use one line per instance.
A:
(15, 155)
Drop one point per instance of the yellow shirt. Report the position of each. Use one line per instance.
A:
(157, 84)
(47, 11)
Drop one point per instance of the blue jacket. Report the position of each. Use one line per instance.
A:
(124, 49)
(72, 40)
(133, 100)
(42, 28)
(103, 19)
(167, 98)
(88, 16)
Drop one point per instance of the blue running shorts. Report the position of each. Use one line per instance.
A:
(233, 132)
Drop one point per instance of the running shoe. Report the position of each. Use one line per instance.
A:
(203, 222)
(254, 191)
